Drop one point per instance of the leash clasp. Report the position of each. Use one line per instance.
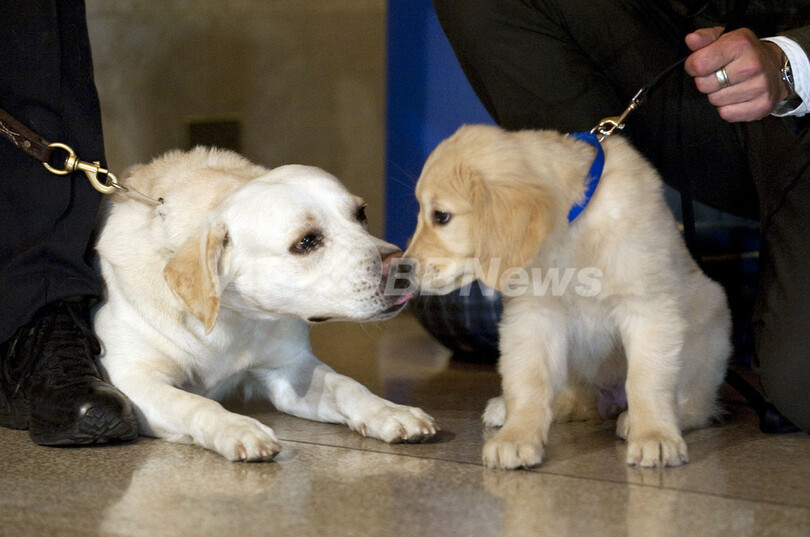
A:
(90, 169)
(609, 125)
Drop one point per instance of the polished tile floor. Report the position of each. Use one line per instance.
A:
(329, 481)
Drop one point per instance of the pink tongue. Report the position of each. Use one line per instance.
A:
(404, 298)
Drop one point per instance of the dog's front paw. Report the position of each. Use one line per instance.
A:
(656, 449)
(623, 425)
(398, 423)
(495, 413)
(245, 439)
(509, 451)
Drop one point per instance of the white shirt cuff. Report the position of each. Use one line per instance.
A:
(800, 67)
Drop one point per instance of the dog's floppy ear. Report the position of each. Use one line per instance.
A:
(193, 274)
(513, 219)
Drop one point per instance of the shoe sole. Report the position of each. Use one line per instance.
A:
(99, 425)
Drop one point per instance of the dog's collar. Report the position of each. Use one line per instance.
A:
(594, 174)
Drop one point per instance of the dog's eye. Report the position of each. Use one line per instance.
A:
(361, 215)
(441, 217)
(307, 243)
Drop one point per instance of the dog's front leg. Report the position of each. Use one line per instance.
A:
(652, 335)
(310, 389)
(167, 412)
(533, 369)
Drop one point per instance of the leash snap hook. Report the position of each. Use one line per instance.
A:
(90, 169)
(609, 125)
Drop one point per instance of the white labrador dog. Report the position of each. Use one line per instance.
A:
(636, 310)
(214, 288)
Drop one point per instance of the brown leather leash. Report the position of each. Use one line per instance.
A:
(24, 138)
(39, 148)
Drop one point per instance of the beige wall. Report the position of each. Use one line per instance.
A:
(304, 77)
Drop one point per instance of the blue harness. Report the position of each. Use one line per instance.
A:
(594, 174)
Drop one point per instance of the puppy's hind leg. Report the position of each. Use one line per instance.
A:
(495, 413)
(705, 358)
(576, 402)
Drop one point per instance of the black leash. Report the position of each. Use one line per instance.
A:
(609, 125)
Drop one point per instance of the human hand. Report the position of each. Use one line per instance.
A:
(752, 67)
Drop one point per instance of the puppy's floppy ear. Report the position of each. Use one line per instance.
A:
(513, 219)
(193, 274)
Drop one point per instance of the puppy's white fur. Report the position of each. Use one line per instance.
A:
(644, 316)
(212, 289)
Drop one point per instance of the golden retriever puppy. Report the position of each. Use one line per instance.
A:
(214, 288)
(611, 298)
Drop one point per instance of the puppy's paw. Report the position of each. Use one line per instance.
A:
(622, 426)
(398, 423)
(656, 449)
(509, 451)
(495, 413)
(245, 439)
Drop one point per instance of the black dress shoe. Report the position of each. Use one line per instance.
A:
(771, 421)
(50, 385)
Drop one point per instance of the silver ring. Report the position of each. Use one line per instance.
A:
(722, 78)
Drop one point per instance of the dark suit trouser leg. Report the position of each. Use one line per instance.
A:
(46, 82)
(781, 162)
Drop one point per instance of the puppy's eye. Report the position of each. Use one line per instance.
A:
(361, 215)
(306, 244)
(441, 218)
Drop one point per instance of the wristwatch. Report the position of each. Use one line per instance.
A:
(792, 101)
